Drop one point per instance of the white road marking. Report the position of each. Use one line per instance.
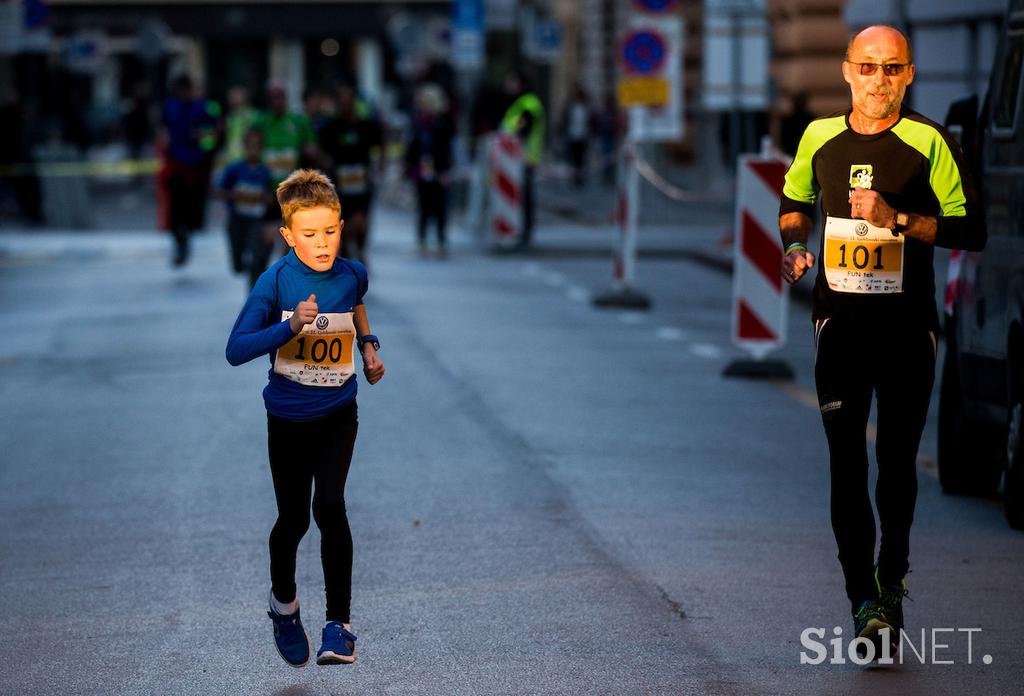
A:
(632, 318)
(670, 333)
(577, 294)
(705, 350)
(554, 279)
(531, 269)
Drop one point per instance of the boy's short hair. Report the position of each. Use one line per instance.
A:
(306, 188)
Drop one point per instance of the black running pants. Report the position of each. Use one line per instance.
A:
(312, 458)
(895, 363)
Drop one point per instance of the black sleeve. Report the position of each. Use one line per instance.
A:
(968, 231)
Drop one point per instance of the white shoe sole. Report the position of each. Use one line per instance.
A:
(308, 647)
(332, 658)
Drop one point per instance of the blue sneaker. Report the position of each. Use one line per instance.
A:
(290, 638)
(338, 646)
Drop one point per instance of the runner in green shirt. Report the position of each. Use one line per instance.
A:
(287, 136)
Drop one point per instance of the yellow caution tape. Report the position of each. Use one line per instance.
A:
(119, 168)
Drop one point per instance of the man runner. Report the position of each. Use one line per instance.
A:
(892, 186)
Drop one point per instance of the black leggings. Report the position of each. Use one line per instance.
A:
(301, 453)
(896, 363)
(432, 199)
(248, 245)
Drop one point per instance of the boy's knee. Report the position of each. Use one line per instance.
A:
(327, 511)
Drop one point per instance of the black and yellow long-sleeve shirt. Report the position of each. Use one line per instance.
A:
(917, 167)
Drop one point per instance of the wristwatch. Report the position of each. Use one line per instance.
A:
(371, 339)
(902, 220)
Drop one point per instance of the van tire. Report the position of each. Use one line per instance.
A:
(1013, 492)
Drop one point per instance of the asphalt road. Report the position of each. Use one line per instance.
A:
(546, 497)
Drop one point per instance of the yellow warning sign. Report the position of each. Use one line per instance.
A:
(643, 91)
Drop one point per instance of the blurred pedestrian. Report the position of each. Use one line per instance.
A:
(191, 131)
(245, 184)
(794, 124)
(525, 119)
(351, 143)
(16, 123)
(239, 119)
(138, 125)
(577, 128)
(316, 104)
(287, 136)
(428, 159)
(610, 126)
(306, 312)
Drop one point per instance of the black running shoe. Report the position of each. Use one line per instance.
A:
(890, 599)
(871, 622)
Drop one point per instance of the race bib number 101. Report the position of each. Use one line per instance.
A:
(321, 355)
(861, 258)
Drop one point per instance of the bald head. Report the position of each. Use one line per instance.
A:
(872, 41)
(878, 68)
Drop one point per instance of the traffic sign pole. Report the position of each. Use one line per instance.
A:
(650, 59)
(622, 294)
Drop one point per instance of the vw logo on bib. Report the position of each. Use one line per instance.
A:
(321, 321)
(861, 230)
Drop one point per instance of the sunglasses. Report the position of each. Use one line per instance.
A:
(889, 69)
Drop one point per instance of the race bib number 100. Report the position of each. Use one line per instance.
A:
(321, 355)
(861, 258)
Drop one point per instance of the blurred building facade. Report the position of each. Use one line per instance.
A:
(82, 66)
(809, 40)
(100, 55)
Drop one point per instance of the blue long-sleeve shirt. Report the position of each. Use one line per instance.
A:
(261, 329)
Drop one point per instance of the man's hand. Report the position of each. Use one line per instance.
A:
(373, 368)
(796, 264)
(305, 313)
(869, 205)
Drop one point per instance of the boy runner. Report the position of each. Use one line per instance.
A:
(245, 184)
(307, 313)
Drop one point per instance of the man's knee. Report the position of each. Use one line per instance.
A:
(291, 526)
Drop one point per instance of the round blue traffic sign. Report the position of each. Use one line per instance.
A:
(655, 6)
(643, 52)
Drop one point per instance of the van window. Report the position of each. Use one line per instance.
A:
(1004, 104)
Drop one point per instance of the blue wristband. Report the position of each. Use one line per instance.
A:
(794, 246)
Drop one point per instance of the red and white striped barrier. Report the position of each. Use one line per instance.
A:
(960, 279)
(760, 296)
(505, 157)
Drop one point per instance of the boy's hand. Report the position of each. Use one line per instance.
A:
(305, 313)
(373, 368)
